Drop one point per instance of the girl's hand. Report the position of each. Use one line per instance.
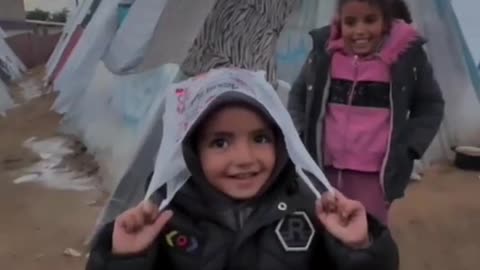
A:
(136, 229)
(345, 219)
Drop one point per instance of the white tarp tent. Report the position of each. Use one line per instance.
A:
(79, 69)
(87, 82)
(5, 101)
(11, 66)
(469, 24)
(456, 74)
(74, 21)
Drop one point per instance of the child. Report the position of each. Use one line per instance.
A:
(243, 207)
(366, 102)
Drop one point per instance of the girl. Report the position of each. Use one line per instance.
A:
(366, 102)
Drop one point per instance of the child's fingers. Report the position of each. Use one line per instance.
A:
(127, 221)
(328, 202)
(150, 211)
(139, 218)
(132, 220)
(345, 203)
(350, 207)
(340, 197)
(161, 221)
(320, 209)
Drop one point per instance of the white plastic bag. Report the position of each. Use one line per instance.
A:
(185, 103)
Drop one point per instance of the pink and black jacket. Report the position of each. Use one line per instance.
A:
(373, 114)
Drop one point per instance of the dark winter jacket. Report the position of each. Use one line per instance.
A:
(279, 230)
(215, 241)
(416, 105)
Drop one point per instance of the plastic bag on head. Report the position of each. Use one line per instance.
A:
(185, 103)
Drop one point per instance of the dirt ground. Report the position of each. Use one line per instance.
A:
(436, 225)
(37, 224)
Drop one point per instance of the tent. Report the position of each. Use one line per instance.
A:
(457, 76)
(110, 87)
(469, 24)
(86, 77)
(72, 33)
(5, 101)
(11, 67)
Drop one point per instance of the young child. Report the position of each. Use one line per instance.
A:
(366, 102)
(243, 207)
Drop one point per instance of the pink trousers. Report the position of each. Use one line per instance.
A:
(363, 187)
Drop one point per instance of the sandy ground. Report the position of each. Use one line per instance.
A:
(436, 225)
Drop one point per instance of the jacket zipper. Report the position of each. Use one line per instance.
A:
(355, 80)
(349, 108)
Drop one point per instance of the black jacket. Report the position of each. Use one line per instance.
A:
(417, 107)
(218, 238)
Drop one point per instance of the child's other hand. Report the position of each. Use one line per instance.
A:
(345, 219)
(136, 229)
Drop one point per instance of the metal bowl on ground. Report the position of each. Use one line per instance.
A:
(467, 158)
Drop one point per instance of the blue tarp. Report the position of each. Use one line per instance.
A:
(123, 10)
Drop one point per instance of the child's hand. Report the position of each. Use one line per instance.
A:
(345, 219)
(136, 229)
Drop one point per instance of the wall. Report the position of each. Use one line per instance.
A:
(12, 10)
(33, 49)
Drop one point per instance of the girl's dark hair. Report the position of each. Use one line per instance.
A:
(401, 11)
(391, 9)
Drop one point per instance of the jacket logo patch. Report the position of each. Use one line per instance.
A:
(295, 232)
(182, 242)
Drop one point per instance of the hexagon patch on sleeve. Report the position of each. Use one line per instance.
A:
(295, 232)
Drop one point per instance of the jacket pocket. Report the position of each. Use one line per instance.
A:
(400, 167)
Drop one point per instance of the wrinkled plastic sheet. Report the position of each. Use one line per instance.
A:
(79, 69)
(115, 113)
(455, 72)
(74, 20)
(84, 90)
(9, 62)
(128, 47)
(468, 19)
(177, 28)
(153, 34)
(170, 167)
(6, 101)
(294, 42)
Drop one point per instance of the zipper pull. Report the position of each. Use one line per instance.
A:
(415, 73)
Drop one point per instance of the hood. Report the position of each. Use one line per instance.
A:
(401, 37)
(192, 160)
(231, 212)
